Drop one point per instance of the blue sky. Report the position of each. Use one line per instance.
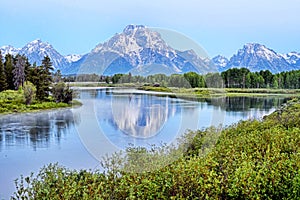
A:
(219, 26)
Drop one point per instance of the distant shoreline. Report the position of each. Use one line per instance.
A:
(196, 92)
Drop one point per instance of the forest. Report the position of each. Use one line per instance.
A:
(25, 87)
(232, 78)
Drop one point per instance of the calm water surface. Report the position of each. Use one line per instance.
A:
(108, 121)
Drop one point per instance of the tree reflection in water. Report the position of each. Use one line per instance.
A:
(34, 129)
(240, 104)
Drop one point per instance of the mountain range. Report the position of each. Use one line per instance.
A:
(36, 50)
(258, 57)
(143, 51)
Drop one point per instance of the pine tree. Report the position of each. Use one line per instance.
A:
(43, 79)
(19, 72)
(27, 68)
(3, 83)
(8, 68)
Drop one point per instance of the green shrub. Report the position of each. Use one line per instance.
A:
(29, 92)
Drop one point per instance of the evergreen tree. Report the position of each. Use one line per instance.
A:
(3, 83)
(19, 72)
(8, 68)
(44, 79)
(35, 79)
(27, 68)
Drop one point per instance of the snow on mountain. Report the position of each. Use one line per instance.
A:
(9, 50)
(73, 57)
(142, 51)
(220, 61)
(258, 57)
(36, 50)
(138, 50)
(292, 58)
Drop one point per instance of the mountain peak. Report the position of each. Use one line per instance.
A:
(130, 28)
(258, 57)
(253, 45)
(140, 50)
(39, 42)
(8, 49)
(220, 61)
(253, 48)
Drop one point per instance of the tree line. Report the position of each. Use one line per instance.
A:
(231, 78)
(16, 72)
(243, 78)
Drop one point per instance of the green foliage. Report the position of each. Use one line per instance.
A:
(232, 78)
(9, 68)
(44, 79)
(194, 79)
(3, 83)
(15, 101)
(62, 93)
(29, 92)
(251, 160)
(15, 71)
(115, 78)
(11, 101)
(156, 89)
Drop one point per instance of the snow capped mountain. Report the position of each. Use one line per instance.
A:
(257, 57)
(138, 50)
(36, 50)
(73, 57)
(220, 61)
(292, 58)
(9, 50)
(141, 50)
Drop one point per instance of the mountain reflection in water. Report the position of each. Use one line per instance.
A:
(141, 117)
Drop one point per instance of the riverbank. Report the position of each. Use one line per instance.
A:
(13, 102)
(214, 92)
(254, 159)
(192, 92)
